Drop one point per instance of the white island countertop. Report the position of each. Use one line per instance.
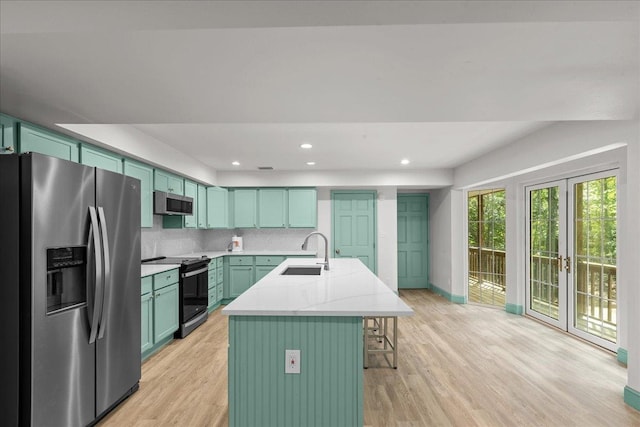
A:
(349, 288)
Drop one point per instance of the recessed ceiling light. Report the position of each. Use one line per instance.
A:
(311, 163)
(235, 163)
(405, 161)
(306, 145)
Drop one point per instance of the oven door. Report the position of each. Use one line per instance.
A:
(194, 295)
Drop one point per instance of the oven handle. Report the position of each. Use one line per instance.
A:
(193, 273)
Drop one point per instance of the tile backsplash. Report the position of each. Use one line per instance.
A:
(260, 239)
(158, 241)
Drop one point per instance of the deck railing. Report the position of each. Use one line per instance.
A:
(598, 280)
(488, 265)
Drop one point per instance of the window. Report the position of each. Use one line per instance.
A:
(487, 248)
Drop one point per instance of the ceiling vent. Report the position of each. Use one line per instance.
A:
(265, 168)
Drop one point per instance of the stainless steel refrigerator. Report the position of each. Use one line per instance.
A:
(69, 289)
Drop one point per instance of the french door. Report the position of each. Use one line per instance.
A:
(571, 256)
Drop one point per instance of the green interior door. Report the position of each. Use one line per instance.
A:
(354, 226)
(413, 243)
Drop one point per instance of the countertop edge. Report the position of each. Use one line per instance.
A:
(151, 269)
(285, 313)
(349, 289)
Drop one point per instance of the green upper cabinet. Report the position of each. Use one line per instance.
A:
(98, 158)
(7, 134)
(191, 190)
(272, 207)
(217, 207)
(202, 206)
(42, 141)
(185, 221)
(145, 175)
(303, 208)
(244, 208)
(167, 182)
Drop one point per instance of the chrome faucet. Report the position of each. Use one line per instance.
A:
(326, 248)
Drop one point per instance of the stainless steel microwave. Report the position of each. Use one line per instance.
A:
(171, 204)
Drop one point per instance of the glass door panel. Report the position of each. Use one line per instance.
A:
(546, 289)
(578, 292)
(594, 277)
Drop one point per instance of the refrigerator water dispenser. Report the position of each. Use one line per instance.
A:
(66, 278)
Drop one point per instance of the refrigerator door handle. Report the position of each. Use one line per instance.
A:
(107, 272)
(95, 306)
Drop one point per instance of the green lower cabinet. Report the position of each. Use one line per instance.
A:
(160, 316)
(41, 141)
(220, 293)
(165, 321)
(241, 278)
(242, 272)
(219, 275)
(146, 311)
(214, 302)
(213, 299)
(262, 270)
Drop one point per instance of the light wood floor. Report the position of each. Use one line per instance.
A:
(459, 365)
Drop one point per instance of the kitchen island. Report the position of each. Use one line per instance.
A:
(319, 315)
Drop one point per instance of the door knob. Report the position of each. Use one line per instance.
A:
(338, 251)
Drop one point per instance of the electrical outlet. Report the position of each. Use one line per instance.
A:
(292, 361)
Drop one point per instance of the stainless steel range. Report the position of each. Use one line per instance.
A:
(194, 295)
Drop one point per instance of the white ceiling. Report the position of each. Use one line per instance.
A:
(367, 83)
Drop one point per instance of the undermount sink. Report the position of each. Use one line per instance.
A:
(302, 271)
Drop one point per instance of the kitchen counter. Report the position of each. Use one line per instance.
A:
(349, 288)
(217, 254)
(151, 269)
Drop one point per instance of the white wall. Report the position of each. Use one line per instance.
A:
(556, 144)
(441, 243)
(633, 272)
(131, 142)
(433, 178)
(388, 236)
(558, 151)
(515, 245)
